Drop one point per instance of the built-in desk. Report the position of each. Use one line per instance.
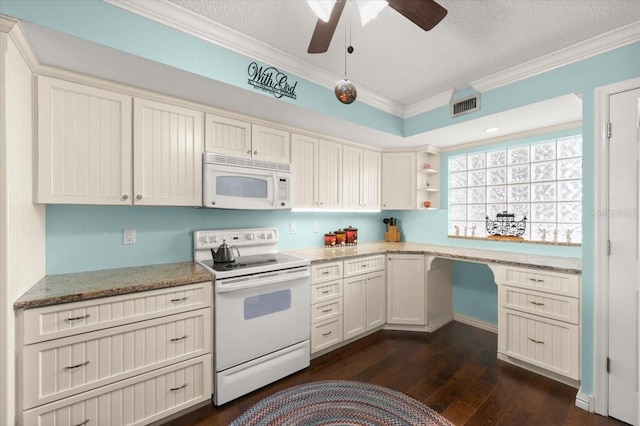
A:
(539, 298)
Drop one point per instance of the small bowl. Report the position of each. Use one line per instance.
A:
(427, 204)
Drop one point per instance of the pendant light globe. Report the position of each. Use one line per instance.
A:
(345, 91)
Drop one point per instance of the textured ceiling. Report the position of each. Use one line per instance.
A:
(396, 60)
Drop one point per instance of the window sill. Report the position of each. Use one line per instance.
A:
(548, 243)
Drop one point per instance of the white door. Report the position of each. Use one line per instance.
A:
(398, 181)
(269, 144)
(329, 175)
(623, 262)
(351, 177)
(304, 169)
(227, 136)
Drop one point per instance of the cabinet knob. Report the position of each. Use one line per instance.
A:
(255, 152)
(125, 197)
(138, 197)
(248, 151)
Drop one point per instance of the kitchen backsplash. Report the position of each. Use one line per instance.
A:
(83, 237)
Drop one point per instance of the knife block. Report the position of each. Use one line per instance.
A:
(392, 235)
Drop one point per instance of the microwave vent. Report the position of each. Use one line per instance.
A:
(212, 158)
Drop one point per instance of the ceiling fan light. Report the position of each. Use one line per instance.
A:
(369, 9)
(322, 8)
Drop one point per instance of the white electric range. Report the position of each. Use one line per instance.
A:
(261, 310)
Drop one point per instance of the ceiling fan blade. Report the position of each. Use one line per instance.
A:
(324, 30)
(424, 13)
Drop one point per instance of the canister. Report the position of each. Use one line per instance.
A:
(330, 239)
(352, 235)
(341, 237)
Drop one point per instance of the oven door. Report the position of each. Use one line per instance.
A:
(259, 314)
(229, 187)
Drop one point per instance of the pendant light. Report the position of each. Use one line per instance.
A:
(345, 90)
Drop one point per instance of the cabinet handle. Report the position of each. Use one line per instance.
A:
(73, 367)
(363, 266)
(125, 197)
(82, 423)
(536, 303)
(325, 272)
(248, 151)
(255, 152)
(535, 341)
(326, 291)
(326, 334)
(182, 299)
(178, 388)
(327, 310)
(77, 318)
(138, 197)
(536, 280)
(177, 339)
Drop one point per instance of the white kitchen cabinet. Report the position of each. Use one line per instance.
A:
(364, 296)
(406, 289)
(243, 139)
(168, 147)
(539, 321)
(84, 149)
(428, 178)
(128, 359)
(361, 174)
(317, 167)
(326, 305)
(398, 181)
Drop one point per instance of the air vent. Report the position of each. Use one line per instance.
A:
(212, 158)
(466, 105)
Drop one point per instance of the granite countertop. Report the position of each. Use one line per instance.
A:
(550, 263)
(64, 288)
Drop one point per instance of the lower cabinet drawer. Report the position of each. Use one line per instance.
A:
(135, 401)
(326, 334)
(64, 367)
(552, 306)
(549, 344)
(326, 310)
(326, 291)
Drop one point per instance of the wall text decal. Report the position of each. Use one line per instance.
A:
(271, 80)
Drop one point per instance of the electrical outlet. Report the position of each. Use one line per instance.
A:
(129, 236)
(292, 228)
(316, 227)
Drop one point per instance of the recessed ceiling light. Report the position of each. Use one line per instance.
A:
(491, 129)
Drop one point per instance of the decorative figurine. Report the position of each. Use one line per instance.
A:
(543, 233)
(465, 230)
(555, 235)
(505, 226)
(569, 232)
(473, 230)
(457, 229)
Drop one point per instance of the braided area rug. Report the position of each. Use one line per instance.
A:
(339, 402)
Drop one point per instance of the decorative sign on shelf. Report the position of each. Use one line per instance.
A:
(505, 226)
(271, 80)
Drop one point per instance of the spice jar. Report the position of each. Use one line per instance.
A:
(330, 239)
(352, 235)
(341, 237)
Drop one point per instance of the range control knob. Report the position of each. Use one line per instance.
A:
(269, 236)
(251, 237)
(203, 239)
(212, 239)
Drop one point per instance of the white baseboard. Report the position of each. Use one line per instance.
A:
(440, 322)
(475, 322)
(585, 401)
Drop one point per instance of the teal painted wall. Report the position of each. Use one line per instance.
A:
(84, 238)
(105, 24)
(475, 293)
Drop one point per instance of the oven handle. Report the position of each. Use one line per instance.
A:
(263, 280)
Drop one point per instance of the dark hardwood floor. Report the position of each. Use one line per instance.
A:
(453, 370)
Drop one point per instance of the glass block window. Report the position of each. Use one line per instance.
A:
(542, 181)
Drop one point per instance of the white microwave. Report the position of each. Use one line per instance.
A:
(244, 183)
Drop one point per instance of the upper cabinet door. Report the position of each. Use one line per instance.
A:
(168, 147)
(270, 144)
(228, 136)
(398, 181)
(84, 144)
(371, 180)
(352, 177)
(304, 171)
(329, 175)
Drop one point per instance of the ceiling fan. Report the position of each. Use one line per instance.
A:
(424, 13)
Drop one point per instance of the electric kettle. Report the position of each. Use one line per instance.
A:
(224, 254)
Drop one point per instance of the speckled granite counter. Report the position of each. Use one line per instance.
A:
(551, 263)
(64, 288)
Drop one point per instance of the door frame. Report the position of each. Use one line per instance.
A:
(601, 264)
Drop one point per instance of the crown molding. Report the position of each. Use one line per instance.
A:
(586, 49)
(14, 30)
(206, 29)
(199, 26)
(6, 23)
